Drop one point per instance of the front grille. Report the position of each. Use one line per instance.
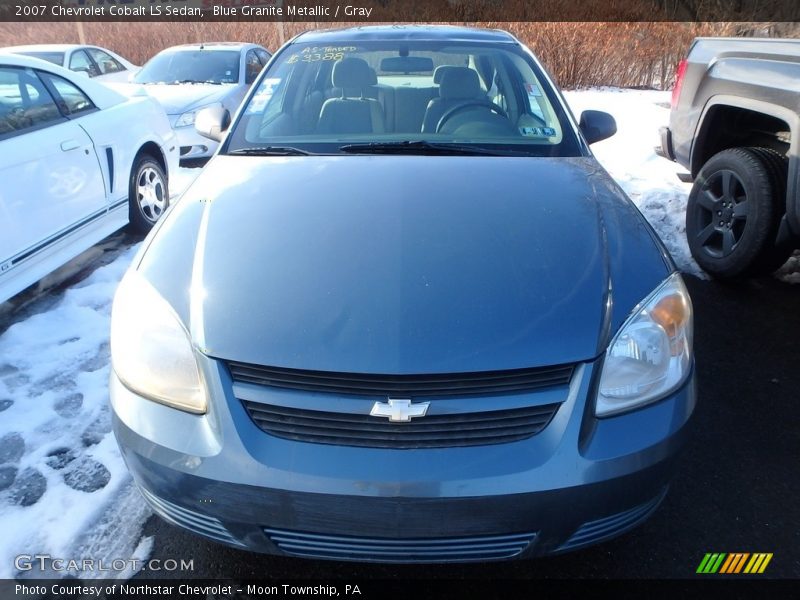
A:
(432, 431)
(462, 549)
(404, 386)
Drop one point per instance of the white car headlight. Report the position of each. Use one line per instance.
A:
(651, 355)
(188, 117)
(151, 352)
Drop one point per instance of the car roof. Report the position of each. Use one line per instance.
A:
(45, 47)
(7, 57)
(407, 32)
(211, 46)
(103, 96)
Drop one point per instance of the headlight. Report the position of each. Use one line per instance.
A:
(651, 354)
(188, 117)
(151, 352)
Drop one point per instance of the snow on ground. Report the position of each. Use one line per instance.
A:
(64, 489)
(629, 157)
(61, 470)
(649, 180)
(180, 181)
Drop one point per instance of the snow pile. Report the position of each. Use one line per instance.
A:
(63, 485)
(629, 157)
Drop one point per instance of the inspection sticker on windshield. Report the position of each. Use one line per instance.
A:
(533, 90)
(537, 131)
(263, 95)
(534, 93)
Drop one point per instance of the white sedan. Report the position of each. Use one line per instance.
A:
(77, 162)
(95, 62)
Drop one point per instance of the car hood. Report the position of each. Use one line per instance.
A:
(404, 264)
(177, 99)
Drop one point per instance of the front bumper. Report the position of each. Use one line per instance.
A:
(192, 144)
(580, 481)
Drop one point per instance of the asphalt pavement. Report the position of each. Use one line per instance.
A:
(737, 488)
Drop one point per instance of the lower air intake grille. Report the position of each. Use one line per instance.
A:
(433, 431)
(189, 519)
(462, 549)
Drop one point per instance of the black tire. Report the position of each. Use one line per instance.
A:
(732, 214)
(148, 193)
(774, 255)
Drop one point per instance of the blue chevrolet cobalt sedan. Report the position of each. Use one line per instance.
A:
(403, 315)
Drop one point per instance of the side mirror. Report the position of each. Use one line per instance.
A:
(597, 125)
(212, 122)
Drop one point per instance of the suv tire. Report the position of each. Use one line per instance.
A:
(732, 215)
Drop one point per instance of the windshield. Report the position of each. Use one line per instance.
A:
(405, 97)
(57, 58)
(191, 66)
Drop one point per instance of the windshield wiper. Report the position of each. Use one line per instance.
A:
(425, 148)
(270, 151)
(196, 81)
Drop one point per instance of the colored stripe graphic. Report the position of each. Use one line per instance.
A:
(734, 563)
(758, 563)
(711, 563)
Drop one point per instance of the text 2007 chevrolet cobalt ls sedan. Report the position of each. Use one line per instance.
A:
(403, 315)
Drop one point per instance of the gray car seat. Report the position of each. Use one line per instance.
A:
(457, 85)
(353, 112)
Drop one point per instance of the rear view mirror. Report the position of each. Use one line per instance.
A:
(212, 122)
(407, 64)
(597, 125)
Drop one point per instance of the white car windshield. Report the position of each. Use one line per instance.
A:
(382, 96)
(191, 66)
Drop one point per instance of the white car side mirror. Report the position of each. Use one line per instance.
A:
(212, 122)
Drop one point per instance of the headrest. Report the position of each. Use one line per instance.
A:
(459, 82)
(440, 71)
(373, 77)
(351, 73)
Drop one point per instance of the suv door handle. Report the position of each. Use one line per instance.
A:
(68, 145)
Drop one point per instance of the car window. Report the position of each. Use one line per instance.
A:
(79, 62)
(57, 58)
(71, 99)
(191, 66)
(25, 103)
(263, 56)
(329, 98)
(252, 65)
(105, 62)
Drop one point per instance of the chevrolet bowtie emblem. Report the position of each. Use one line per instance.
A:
(399, 411)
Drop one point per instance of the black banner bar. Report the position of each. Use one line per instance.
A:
(730, 588)
(389, 11)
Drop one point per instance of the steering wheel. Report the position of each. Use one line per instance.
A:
(449, 114)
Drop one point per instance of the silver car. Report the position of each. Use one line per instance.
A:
(185, 79)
